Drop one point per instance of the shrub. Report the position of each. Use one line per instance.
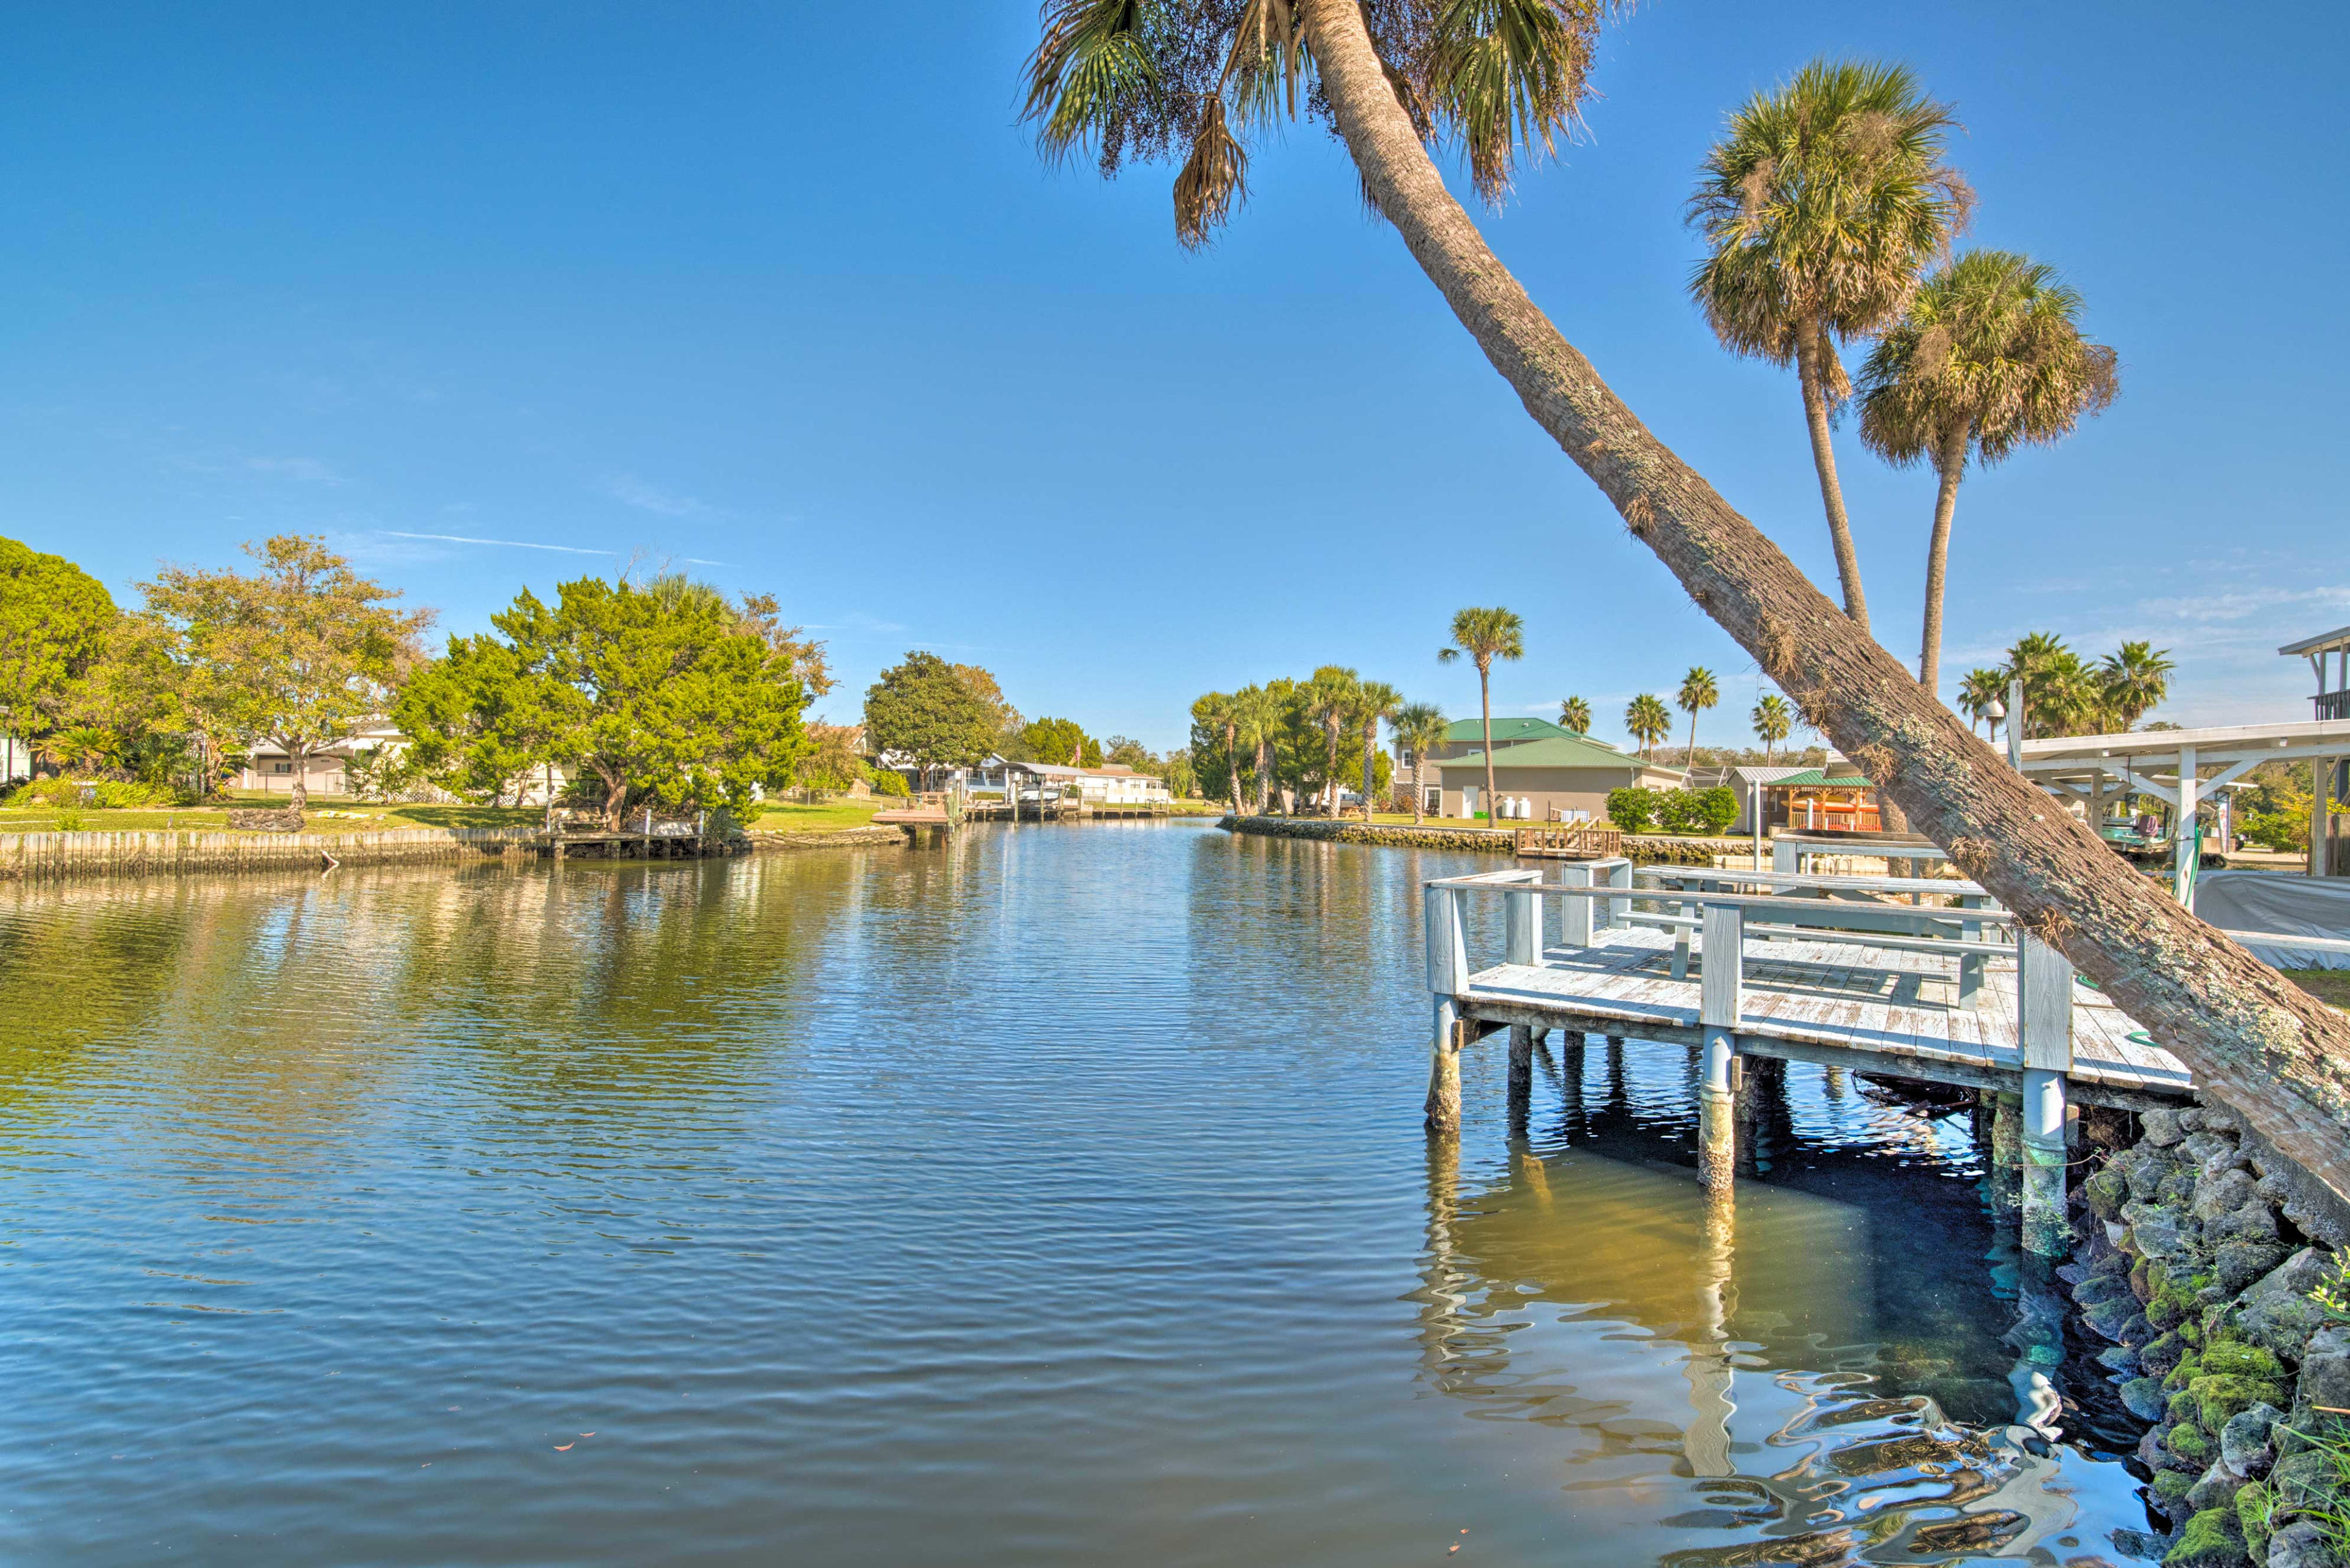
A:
(1676, 811)
(1717, 808)
(887, 781)
(106, 794)
(1632, 808)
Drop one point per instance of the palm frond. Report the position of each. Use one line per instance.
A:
(1213, 179)
(1092, 69)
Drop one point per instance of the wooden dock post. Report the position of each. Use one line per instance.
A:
(1522, 919)
(1581, 916)
(1448, 979)
(2045, 1012)
(1720, 999)
(1521, 1076)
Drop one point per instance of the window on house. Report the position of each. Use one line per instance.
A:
(281, 767)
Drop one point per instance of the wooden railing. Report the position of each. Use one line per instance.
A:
(1572, 840)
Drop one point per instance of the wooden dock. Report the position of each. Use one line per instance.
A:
(1569, 841)
(1918, 978)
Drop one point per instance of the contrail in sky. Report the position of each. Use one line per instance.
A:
(509, 544)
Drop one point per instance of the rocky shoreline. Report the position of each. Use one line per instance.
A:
(2191, 1263)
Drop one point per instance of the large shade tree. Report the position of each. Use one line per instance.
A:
(1988, 358)
(1135, 81)
(1820, 206)
(922, 710)
(304, 651)
(55, 621)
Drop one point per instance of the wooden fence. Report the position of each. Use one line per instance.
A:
(43, 855)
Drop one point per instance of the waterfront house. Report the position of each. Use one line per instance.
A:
(1461, 738)
(1561, 777)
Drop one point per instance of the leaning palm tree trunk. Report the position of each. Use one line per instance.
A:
(2250, 1036)
(1952, 461)
(1811, 374)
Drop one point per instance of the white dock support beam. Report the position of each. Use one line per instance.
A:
(1522, 918)
(1580, 915)
(1720, 999)
(1448, 979)
(2182, 835)
(2045, 1007)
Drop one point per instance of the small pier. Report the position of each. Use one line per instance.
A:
(1920, 978)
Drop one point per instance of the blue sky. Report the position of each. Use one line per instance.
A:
(786, 293)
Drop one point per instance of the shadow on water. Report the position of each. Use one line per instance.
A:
(1862, 1381)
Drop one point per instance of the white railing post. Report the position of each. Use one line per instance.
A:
(2045, 1010)
(1578, 916)
(1448, 954)
(1720, 999)
(1523, 925)
(1619, 875)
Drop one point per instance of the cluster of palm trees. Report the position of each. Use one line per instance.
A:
(1306, 732)
(2065, 694)
(1829, 211)
(1649, 721)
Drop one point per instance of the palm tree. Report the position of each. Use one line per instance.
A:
(83, 748)
(1819, 207)
(1649, 721)
(1485, 634)
(1698, 693)
(1330, 697)
(2062, 695)
(1215, 713)
(1773, 721)
(1419, 728)
(1256, 720)
(1131, 81)
(2134, 679)
(1979, 689)
(1575, 714)
(1988, 358)
(1374, 700)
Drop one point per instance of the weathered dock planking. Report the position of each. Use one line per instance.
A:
(1921, 978)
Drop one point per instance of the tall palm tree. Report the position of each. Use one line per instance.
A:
(1988, 358)
(1330, 698)
(1978, 690)
(1575, 714)
(1698, 693)
(1819, 207)
(1485, 634)
(1649, 721)
(2134, 679)
(1375, 702)
(1419, 728)
(2062, 694)
(1134, 81)
(1256, 721)
(1773, 721)
(1213, 711)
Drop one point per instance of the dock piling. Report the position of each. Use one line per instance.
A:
(1720, 999)
(2045, 1009)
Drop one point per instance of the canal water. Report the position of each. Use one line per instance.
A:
(1058, 1197)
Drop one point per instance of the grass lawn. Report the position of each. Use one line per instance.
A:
(782, 817)
(2330, 986)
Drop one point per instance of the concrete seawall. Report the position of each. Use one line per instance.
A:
(880, 837)
(41, 857)
(1642, 848)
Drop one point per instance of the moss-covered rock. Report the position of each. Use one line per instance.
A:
(2142, 1397)
(2187, 1370)
(2189, 1442)
(2235, 1358)
(2220, 1396)
(2212, 1539)
(2171, 1306)
(2253, 1507)
(2303, 1481)
(2171, 1488)
(2106, 1192)
(2161, 1355)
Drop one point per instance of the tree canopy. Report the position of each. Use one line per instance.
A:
(925, 711)
(1060, 740)
(668, 699)
(54, 622)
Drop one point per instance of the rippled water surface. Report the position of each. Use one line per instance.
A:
(1058, 1197)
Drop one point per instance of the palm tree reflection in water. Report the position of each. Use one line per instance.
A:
(1850, 1393)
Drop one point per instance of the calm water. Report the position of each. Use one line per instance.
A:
(1055, 1198)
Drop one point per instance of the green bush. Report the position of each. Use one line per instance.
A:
(886, 781)
(1632, 808)
(1677, 811)
(106, 794)
(1717, 808)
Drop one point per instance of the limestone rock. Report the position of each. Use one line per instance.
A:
(2217, 1489)
(2161, 1127)
(2301, 1544)
(2163, 1233)
(2238, 1264)
(2244, 1440)
(2139, 1545)
(2144, 1398)
(2110, 1318)
(2255, 1222)
(2212, 1539)
(2276, 1312)
(2325, 1369)
(2203, 1147)
(2223, 1194)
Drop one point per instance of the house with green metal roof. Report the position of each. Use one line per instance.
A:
(1558, 778)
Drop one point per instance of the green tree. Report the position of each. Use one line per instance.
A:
(1376, 702)
(666, 698)
(1212, 714)
(2062, 695)
(1633, 809)
(1061, 741)
(1485, 634)
(1419, 728)
(1773, 721)
(1133, 81)
(923, 710)
(1127, 751)
(303, 651)
(833, 763)
(55, 619)
(1256, 726)
(1649, 721)
(1697, 694)
(1819, 207)
(1575, 714)
(1988, 358)
(2133, 678)
(1978, 690)
(1330, 697)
